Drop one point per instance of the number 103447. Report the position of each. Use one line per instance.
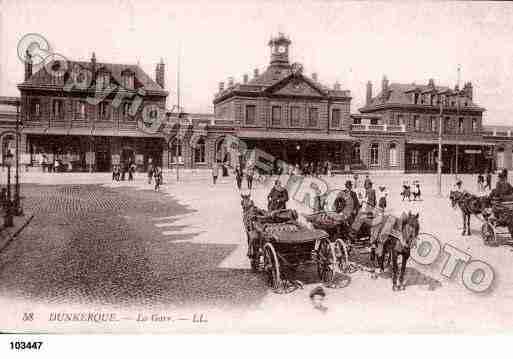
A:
(26, 345)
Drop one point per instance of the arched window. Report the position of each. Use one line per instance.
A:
(374, 154)
(356, 153)
(175, 151)
(199, 151)
(392, 155)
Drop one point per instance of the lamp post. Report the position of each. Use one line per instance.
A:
(440, 153)
(8, 221)
(18, 211)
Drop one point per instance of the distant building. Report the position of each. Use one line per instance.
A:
(86, 114)
(402, 123)
(287, 114)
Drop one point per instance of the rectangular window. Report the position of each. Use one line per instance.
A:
(57, 109)
(103, 111)
(374, 121)
(432, 121)
(474, 125)
(80, 109)
(447, 125)
(250, 114)
(294, 117)
(400, 120)
(313, 117)
(374, 154)
(128, 81)
(416, 123)
(125, 111)
(357, 121)
(35, 108)
(335, 118)
(415, 98)
(276, 116)
(461, 125)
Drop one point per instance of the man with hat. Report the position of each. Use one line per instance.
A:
(502, 188)
(347, 202)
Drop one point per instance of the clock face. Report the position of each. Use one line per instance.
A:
(282, 49)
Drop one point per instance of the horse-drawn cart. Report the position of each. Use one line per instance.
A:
(494, 229)
(278, 244)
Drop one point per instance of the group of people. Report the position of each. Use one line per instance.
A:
(248, 172)
(119, 171)
(55, 165)
(484, 182)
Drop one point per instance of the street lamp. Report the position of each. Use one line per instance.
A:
(17, 205)
(440, 152)
(8, 221)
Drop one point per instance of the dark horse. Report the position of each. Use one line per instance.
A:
(407, 227)
(469, 204)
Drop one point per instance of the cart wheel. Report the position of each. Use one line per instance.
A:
(271, 267)
(326, 262)
(342, 255)
(488, 235)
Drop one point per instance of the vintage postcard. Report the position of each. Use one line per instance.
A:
(255, 167)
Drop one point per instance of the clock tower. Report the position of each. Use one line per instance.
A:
(279, 46)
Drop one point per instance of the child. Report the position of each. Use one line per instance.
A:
(317, 297)
(416, 191)
(382, 198)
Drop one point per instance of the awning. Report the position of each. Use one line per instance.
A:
(449, 142)
(298, 136)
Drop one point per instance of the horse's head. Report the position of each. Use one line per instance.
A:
(410, 227)
(454, 197)
(246, 201)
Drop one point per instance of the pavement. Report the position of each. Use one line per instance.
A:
(95, 244)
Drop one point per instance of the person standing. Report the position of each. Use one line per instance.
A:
(328, 169)
(480, 182)
(249, 176)
(367, 183)
(488, 184)
(157, 173)
(215, 171)
(238, 176)
(131, 170)
(150, 170)
(370, 195)
(278, 197)
(44, 163)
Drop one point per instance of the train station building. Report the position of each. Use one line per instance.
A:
(281, 111)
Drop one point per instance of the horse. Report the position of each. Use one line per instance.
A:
(469, 204)
(406, 193)
(408, 225)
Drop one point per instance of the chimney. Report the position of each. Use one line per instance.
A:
(336, 86)
(28, 65)
(230, 81)
(467, 88)
(245, 78)
(384, 85)
(93, 65)
(221, 86)
(314, 76)
(368, 96)
(255, 73)
(160, 73)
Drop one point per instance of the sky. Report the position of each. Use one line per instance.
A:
(349, 42)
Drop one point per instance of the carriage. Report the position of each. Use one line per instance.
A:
(494, 229)
(278, 244)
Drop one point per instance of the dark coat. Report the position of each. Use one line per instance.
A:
(277, 198)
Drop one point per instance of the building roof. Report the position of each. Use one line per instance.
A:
(42, 78)
(400, 94)
(273, 77)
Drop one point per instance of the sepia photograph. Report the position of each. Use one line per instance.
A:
(256, 167)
